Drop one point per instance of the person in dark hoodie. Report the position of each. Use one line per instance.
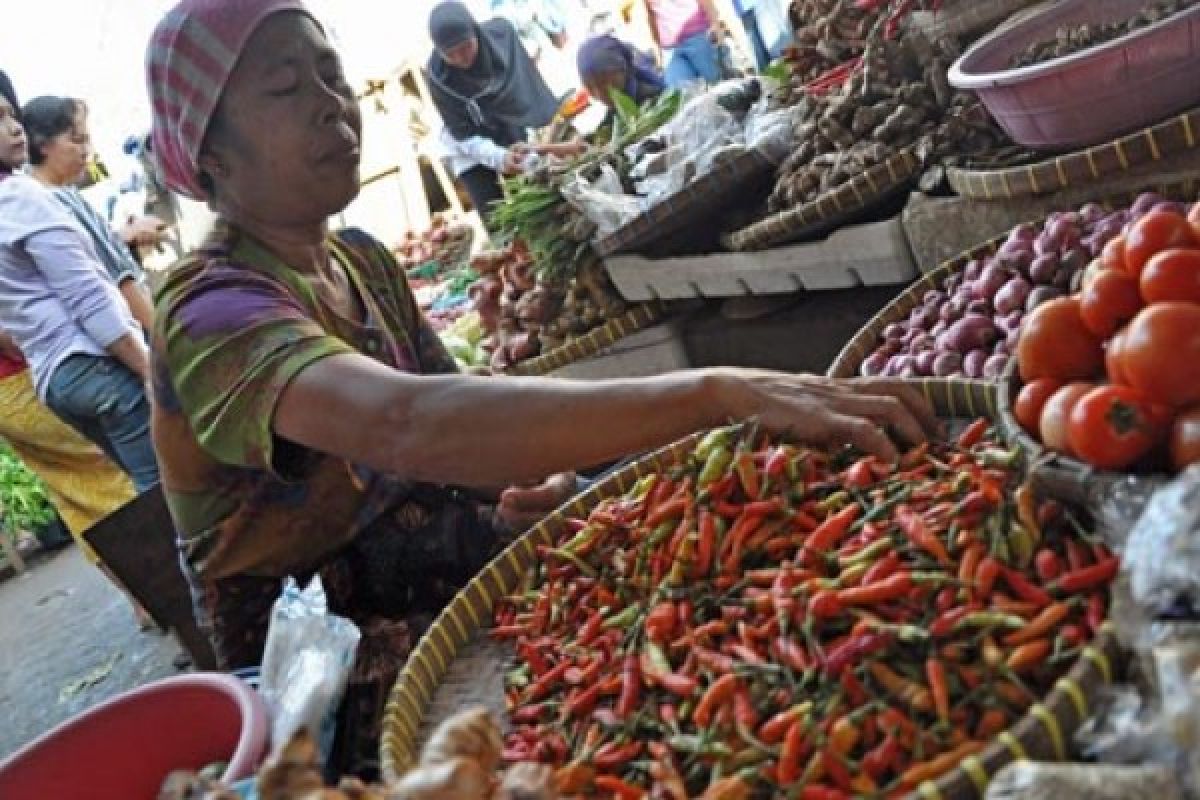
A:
(607, 64)
(489, 94)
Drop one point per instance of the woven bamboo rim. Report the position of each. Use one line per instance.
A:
(706, 195)
(1044, 733)
(592, 342)
(1083, 166)
(834, 207)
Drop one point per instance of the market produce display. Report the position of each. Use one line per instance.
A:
(1110, 374)
(969, 326)
(766, 616)
(1067, 41)
(523, 313)
(24, 505)
(899, 98)
(445, 242)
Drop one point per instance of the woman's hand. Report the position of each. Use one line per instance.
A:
(144, 231)
(873, 414)
(514, 159)
(520, 507)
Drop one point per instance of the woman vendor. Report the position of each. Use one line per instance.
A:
(489, 94)
(606, 64)
(307, 418)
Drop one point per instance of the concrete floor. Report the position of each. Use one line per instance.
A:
(68, 640)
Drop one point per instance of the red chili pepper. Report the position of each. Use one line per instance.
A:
(705, 545)
(746, 654)
(828, 534)
(747, 472)
(682, 685)
(855, 691)
(718, 693)
(1026, 590)
(774, 729)
(717, 662)
(884, 568)
(743, 709)
(882, 757)
(945, 624)
(915, 527)
(584, 700)
(631, 685)
(936, 674)
(660, 622)
(859, 475)
(853, 649)
(946, 599)
(792, 654)
(618, 788)
(974, 433)
(887, 589)
(1048, 565)
(1073, 635)
(542, 686)
(1041, 625)
(985, 578)
(825, 604)
(1097, 611)
(794, 750)
(823, 793)
(671, 509)
(1081, 580)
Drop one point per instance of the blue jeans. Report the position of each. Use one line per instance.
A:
(692, 59)
(754, 34)
(104, 401)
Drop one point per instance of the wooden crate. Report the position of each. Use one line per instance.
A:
(874, 254)
(652, 351)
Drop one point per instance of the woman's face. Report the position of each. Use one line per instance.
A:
(601, 86)
(463, 54)
(14, 151)
(67, 154)
(283, 148)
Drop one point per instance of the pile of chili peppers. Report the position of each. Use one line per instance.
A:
(767, 616)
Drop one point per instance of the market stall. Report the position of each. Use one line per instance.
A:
(738, 616)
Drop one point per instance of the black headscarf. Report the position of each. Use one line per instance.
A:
(10, 94)
(501, 94)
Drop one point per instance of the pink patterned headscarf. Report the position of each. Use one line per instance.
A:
(191, 54)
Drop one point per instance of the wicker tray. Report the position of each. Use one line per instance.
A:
(592, 342)
(456, 665)
(716, 191)
(1083, 166)
(836, 207)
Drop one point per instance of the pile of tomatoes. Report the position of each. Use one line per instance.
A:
(1112, 375)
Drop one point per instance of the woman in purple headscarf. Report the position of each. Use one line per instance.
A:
(606, 64)
(308, 420)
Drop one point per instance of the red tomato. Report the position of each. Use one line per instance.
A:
(1153, 233)
(1055, 343)
(1112, 359)
(1171, 275)
(1109, 301)
(1160, 353)
(1056, 414)
(1111, 427)
(1113, 255)
(1185, 438)
(1027, 408)
(1194, 221)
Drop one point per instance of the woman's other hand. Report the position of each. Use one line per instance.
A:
(520, 507)
(515, 158)
(144, 231)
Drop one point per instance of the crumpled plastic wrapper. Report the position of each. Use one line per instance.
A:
(1030, 780)
(1162, 554)
(307, 660)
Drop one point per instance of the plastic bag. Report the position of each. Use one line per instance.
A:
(306, 662)
(1162, 554)
(603, 201)
(1030, 780)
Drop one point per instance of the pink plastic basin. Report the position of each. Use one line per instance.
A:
(124, 748)
(1091, 96)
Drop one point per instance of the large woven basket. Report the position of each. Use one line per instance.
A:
(592, 342)
(1071, 170)
(734, 183)
(455, 664)
(838, 206)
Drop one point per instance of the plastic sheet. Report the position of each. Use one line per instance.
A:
(306, 662)
(1162, 554)
(1030, 780)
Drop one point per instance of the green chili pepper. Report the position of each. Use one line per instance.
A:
(990, 619)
